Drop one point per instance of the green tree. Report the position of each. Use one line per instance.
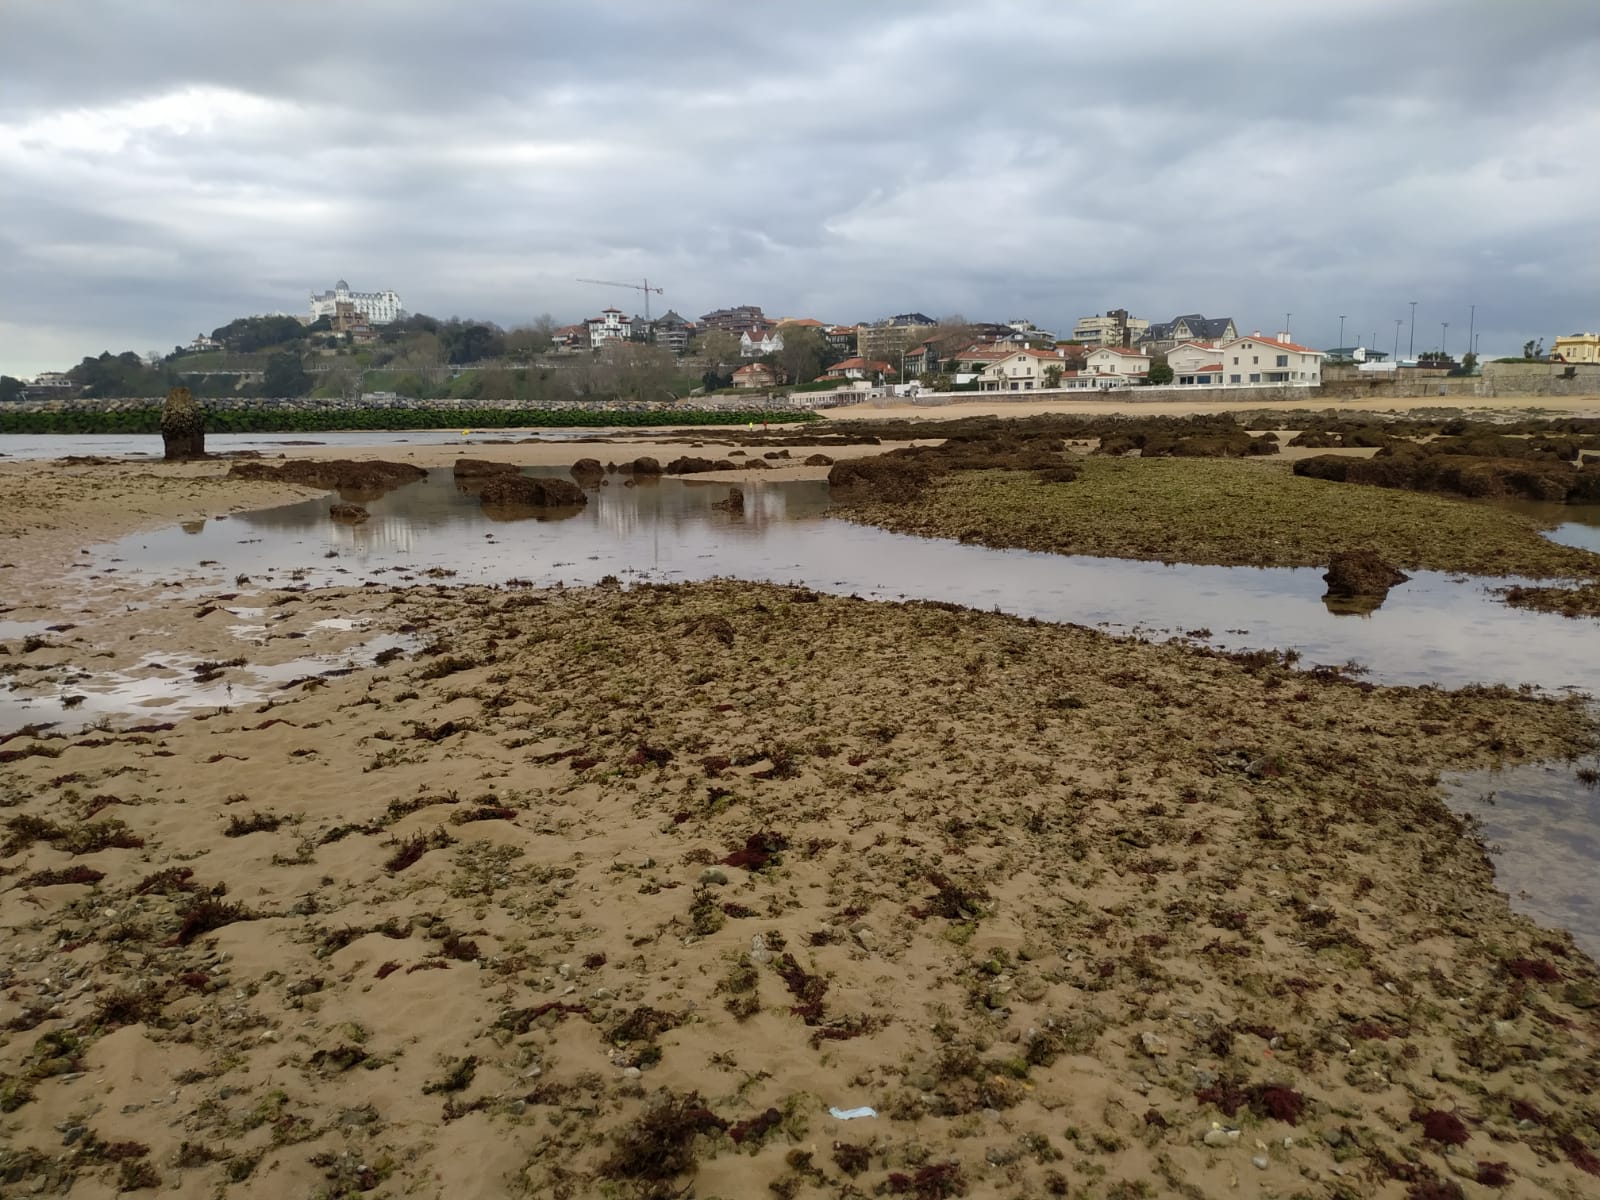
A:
(718, 348)
(1469, 361)
(1532, 350)
(11, 390)
(1052, 376)
(804, 353)
(248, 334)
(526, 341)
(1160, 370)
(284, 377)
(471, 341)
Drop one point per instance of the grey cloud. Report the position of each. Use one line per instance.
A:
(842, 160)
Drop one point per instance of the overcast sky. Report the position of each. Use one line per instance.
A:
(167, 166)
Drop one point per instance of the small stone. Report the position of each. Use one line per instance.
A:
(1259, 1162)
(631, 1072)
(1333, 1137)
(1219, 1136)
(1153, 1044)
(646, 863)
(714, 875)
(866, 939)
(759, 954)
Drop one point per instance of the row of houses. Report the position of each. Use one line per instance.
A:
(1253, 360)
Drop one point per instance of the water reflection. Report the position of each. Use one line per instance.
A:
(1431, 629)
(1542, 822)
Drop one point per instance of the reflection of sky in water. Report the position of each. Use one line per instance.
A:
(1429, 629)
(161, 685)
(1543, 823)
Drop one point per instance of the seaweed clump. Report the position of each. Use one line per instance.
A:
(659, 1145)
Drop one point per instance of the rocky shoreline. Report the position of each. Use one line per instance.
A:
(625, 891)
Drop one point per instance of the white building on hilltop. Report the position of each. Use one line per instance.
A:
(380, 308)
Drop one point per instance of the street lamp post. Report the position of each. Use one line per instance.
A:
(1444, 332)
(1472, 321)
(1341, 331)
(1412, 352)
(1287, 317)
(1397, 323)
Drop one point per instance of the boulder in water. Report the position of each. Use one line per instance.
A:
(481, 468)
(588, 472)
(348, 514)
(521, 490)
(733, 504)
(1361, 573)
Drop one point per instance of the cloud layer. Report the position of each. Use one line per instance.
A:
(165, 167)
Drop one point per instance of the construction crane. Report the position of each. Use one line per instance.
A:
(645, 288)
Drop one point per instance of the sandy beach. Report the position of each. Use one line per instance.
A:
(624, 891)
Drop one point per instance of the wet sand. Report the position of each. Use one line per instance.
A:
(600, 889)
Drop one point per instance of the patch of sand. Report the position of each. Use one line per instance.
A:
(1056, 905)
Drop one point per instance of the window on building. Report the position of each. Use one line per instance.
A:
(1283, 360)
(1255, 378)
(1233, 378)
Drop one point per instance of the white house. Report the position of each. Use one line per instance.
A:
(1195, 364)
(1257, 361)
(1127, 365)
(753, 343)
(610, 326)
(1021, 371)
(380, 308)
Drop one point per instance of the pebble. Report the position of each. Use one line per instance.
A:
(631, 1072)
(759, 954)
(1259, 1161)
(1153, 1044)
(1218, 1136)
(715, 875)
(1333, 1137)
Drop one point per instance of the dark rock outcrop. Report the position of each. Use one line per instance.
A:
(348, 514)
(818, 460)
(183, 426)
(481, 468)
(353, 480)
(733, 504)
(645, 465)
(588, 472)
(527, 492)
(691, 465)
(1361, 573)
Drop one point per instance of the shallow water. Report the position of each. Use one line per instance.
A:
(1433, 629)
(1542, 824)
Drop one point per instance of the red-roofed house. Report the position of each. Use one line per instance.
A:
(755, 375)
(1115, 363)
(1254, 360)
(1022, 370)
(858, 368)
